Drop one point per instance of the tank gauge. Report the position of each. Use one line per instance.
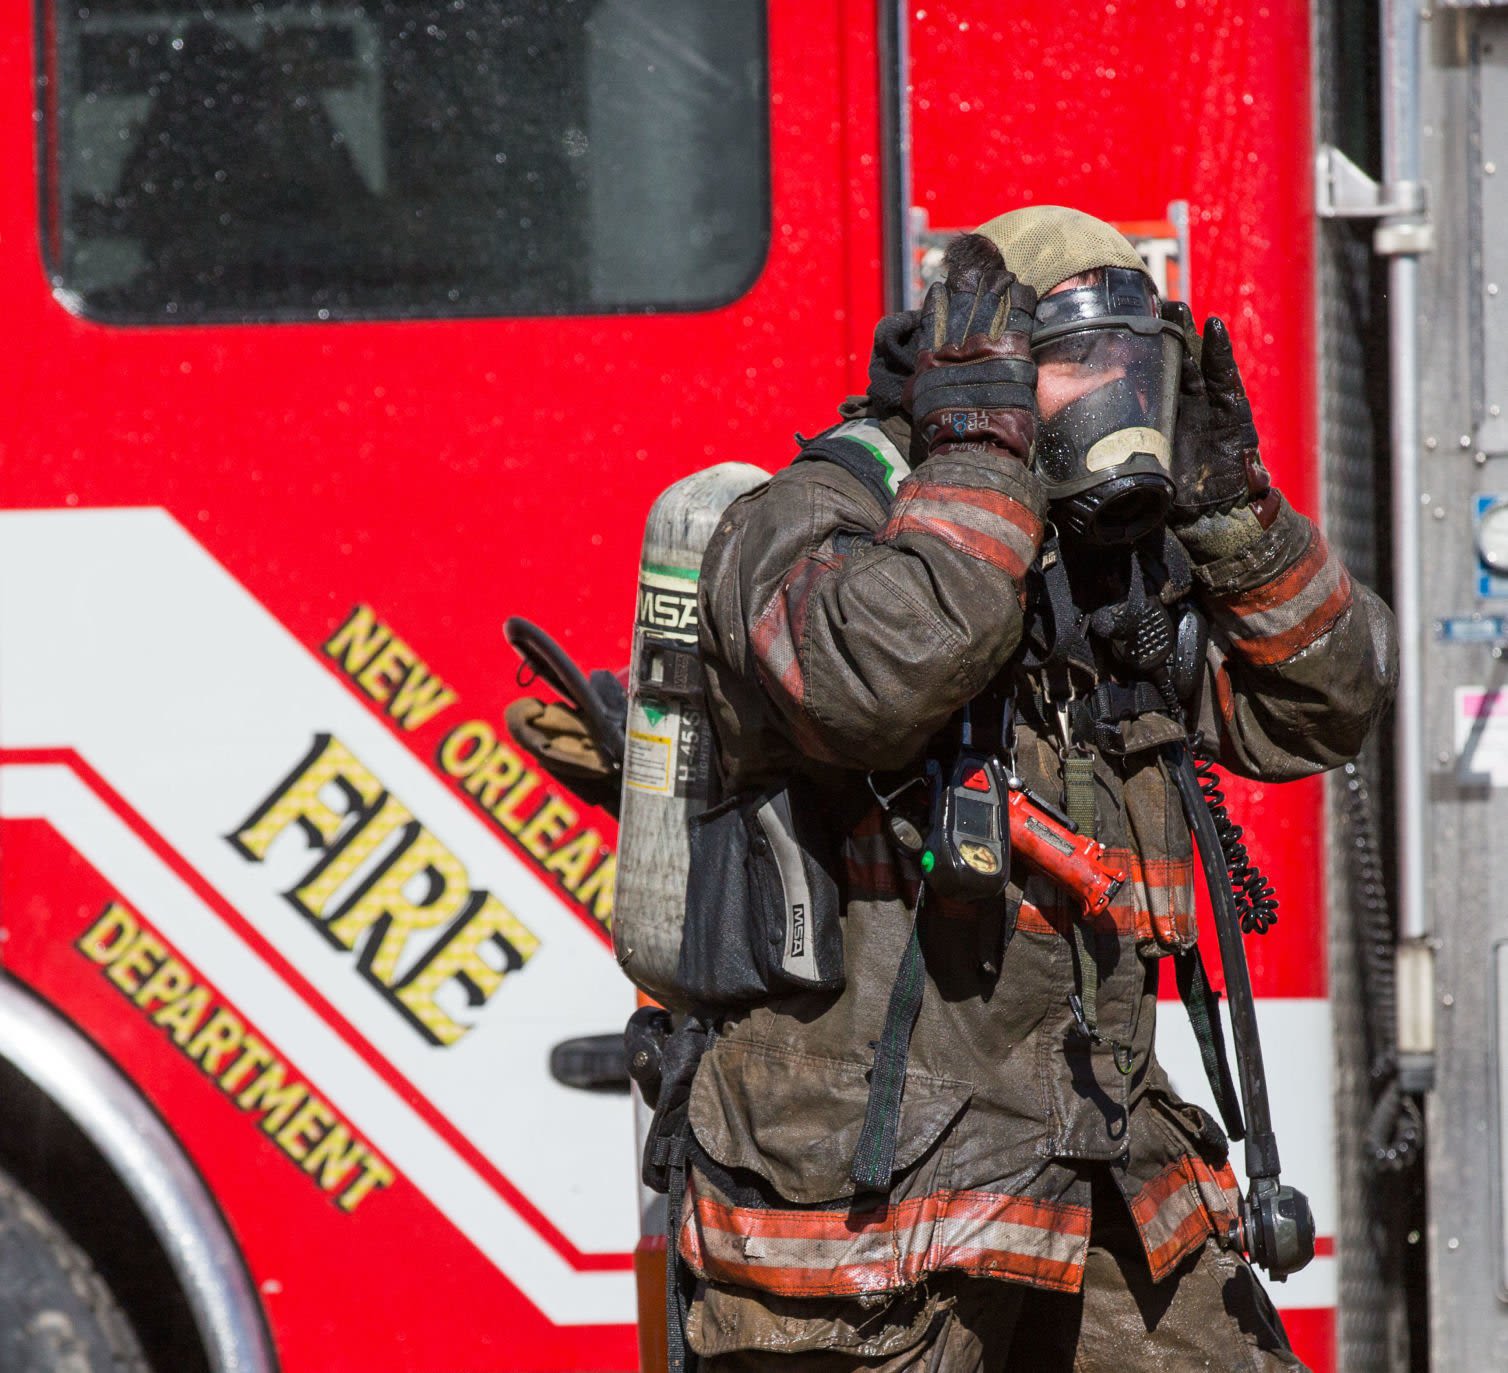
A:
(1492, 537)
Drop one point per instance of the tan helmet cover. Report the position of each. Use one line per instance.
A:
(1046, 244)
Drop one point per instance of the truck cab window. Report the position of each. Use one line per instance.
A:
(250, 161)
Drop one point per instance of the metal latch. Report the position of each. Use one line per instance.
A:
(1343, 191)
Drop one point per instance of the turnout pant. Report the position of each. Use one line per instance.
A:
(1210, 1314)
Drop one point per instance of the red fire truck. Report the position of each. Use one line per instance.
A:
(340, 331)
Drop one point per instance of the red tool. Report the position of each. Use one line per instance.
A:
(1074, 861)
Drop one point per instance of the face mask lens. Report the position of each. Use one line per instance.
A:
(1108, 399)
(1074, 366)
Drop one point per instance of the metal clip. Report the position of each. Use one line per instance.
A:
(1122, 1055)
(1065, 729)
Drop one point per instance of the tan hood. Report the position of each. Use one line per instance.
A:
(1046, 244)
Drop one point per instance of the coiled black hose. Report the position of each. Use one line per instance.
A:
(1256, 901)
(1395, 1128)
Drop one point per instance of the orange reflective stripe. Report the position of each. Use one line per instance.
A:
(847, 1253)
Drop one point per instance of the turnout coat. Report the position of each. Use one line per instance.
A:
(839, 637)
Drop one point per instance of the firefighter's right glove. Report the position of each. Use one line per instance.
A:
(975, 385)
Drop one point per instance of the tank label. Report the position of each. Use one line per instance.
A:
(667, 602)
(666, 752)
(648, 761)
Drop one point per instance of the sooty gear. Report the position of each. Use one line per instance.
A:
(974, 378)
(1105, 454)
(1217, 467)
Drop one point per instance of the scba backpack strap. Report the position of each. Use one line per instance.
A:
(865, 451)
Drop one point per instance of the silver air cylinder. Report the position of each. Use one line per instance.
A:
(668, 768)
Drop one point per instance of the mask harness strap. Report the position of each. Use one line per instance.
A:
(1139, 633)
(1058, 652)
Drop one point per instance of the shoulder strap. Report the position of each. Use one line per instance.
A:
(1202, 1003)
(864, 450)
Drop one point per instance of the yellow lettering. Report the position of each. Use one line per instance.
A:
(168, 983)
(491, 778)
(341, 864)
(506, 810)
(384, 907)
(184, 1017)
(273, 1094)
(143, 955)
(421, 697)
(354, 643)
(459, 958)
(380, 675)
(220, 1037)
(572, 861)
(466, 748)
(298, 801)
(544, 831)
(314, 1116)
(254, 1054)
(374, 1173)
(598, 888)
(334, 1157)
(307, 1129)
(110, 935)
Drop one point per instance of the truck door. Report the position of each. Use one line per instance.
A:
(338, 334)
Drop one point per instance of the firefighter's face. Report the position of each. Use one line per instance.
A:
(1078, 365)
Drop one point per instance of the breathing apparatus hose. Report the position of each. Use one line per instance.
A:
(1261, 1142)
(1255, 900)
(1276, 1226)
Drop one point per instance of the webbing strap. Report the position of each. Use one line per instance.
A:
(874, 1156)
(1089, 980)
(1203, 1007)
(1056, 646)
(680, 1357)
(1078, 792)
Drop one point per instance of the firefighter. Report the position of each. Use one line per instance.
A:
(1028, 1191)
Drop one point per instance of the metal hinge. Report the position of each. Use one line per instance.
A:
(1343, 191)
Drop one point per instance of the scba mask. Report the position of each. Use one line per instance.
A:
(1107, 387)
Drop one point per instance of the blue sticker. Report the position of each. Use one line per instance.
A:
(1471, 629)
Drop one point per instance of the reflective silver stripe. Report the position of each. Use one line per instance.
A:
(1279, 619)
(1161, 1227)
(872, 435)
(799, 957)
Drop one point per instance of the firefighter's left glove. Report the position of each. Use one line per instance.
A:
(1217, 466)
(975, 385)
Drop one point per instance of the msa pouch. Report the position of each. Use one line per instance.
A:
(761, 900)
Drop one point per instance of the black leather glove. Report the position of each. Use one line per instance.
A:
(975, 382)
(1216, 463)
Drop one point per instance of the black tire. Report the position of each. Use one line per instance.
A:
(56, 1315)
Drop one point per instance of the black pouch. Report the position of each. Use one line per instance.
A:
(665, 1146)
(761, 899)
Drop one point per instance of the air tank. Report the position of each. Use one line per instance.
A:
(669, 769)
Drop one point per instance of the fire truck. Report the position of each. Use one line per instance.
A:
(341, 330)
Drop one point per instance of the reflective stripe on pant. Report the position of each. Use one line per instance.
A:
(1210, 1313)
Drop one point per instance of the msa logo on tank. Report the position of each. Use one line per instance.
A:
(667, 603)
(666, 719)
(382, 887)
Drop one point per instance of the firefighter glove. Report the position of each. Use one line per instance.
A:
(974, 386)
(1216, 464)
